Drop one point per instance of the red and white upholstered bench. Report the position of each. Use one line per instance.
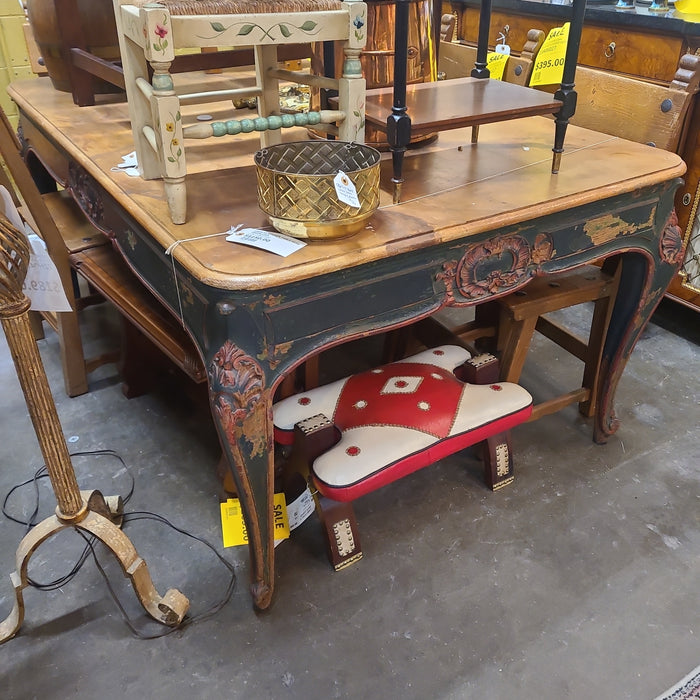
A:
(364, 431)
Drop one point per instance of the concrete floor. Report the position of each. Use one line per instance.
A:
(579, 581)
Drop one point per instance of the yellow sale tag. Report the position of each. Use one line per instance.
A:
(549, 64)
(496, 63)
(233, 525)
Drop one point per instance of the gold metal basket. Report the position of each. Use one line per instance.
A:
(296, 189)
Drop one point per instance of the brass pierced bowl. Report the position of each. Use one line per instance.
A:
(296, 190)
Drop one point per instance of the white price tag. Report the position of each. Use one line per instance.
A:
(345, 189)
(129, 165)
(42, 284)
(300, 508)
(266, 240)
(10, 209)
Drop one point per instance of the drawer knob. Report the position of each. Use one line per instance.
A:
(610, 50)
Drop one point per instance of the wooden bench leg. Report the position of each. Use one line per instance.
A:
(312, 437)
(514, 340)
(137, 363)
(481, 369)
(342, 534)
(498, 461)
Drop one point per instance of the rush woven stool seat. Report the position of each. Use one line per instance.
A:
(150, 33)
(367, 430)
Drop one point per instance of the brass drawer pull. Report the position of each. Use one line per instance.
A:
(610, 50)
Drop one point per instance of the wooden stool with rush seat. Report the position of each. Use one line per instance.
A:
(365, 431)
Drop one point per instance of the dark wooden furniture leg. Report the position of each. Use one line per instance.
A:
(480, 70)
(312, 437)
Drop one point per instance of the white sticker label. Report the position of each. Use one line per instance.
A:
(300, 509)
(345, 189)
(42, 284)
(266, 240)
(129, 165)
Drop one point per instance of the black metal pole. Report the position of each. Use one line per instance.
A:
(566, 92)
(480, 70)
(398, 122)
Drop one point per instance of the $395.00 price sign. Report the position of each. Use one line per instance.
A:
(549, 64)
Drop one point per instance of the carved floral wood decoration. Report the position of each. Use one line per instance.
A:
(496, 265)
(237, 385)
(87, 194)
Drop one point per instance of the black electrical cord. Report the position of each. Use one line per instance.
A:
(89, 549)
(33, 520)
(188, 619)
(42, 473)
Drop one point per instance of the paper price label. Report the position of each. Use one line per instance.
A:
(43, 284)
(549, 66)
(345, 189)
(266, 240)
(496, 63)
(233, 526)
(300, 509)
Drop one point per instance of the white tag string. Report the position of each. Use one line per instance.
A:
(169, 251)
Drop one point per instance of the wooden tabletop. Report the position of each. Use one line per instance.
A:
(452, 189)
(452, 104)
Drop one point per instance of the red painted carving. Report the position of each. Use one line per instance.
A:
(543, 249)
(494, 266)
(447, 276)
(671, 242)
(237, 382)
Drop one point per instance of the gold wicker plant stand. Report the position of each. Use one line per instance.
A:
(86, 510)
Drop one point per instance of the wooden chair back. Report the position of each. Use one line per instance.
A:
(82, 253)
(456, 60)
(447, 27)
(75, 233)
(635, 109)
(150, 33)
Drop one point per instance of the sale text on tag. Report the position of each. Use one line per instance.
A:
(549, 66)
(234, 528)
(496, 63)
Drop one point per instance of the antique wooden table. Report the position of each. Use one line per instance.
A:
(476, 221)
